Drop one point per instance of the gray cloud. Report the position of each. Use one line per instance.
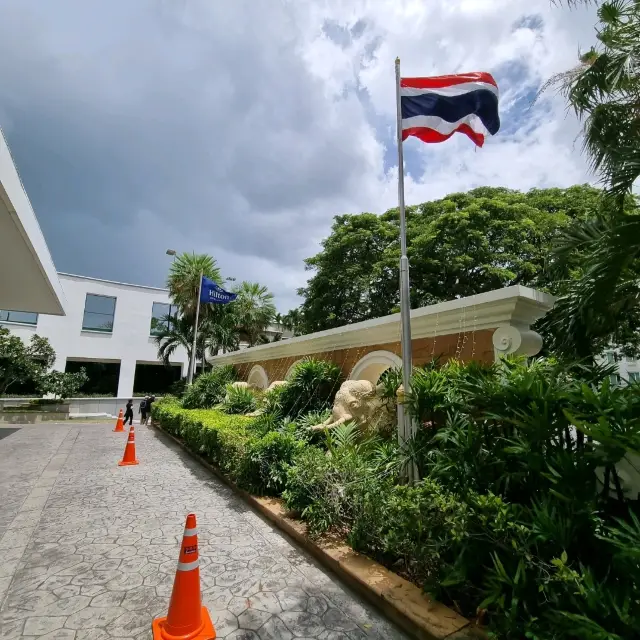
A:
(198, 117)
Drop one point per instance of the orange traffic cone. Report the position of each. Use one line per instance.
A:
(129, 456)
(119, 423)
(187, 618)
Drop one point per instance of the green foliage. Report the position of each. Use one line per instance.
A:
(509, 522)
(184, 280)
(267, 462)
(599, 304)
(238, 400)
(312, 386)
(219, 438)
(464, 244)
(209, 388)
(62, 385)
(21, 362)
(326, 487)
(254, 310)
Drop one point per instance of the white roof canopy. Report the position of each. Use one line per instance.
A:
(28, 278)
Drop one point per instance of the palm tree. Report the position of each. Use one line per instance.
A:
(221, 329)
(293, 321)
(604, 91)
(254, 310)
(184, 279)
(178, 332)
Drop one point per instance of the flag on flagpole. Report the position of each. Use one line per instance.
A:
(433, 109)
(212, 293)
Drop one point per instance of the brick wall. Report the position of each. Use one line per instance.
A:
(470, 346)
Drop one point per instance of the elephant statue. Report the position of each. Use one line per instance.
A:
(360, 401)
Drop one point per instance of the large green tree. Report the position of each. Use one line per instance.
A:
(21, 362)
(463, 244)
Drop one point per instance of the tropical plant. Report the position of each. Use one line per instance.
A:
(293, 321)
(312, 386)
(239, 400)
(179, 333)
(254, 310)
(209, 388)
(220, 329)
(601, 305)
(184, 280)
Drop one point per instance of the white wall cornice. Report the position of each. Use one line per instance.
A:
(512, 306)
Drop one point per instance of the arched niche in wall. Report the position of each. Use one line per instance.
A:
(373, 365)
(258, 377)
(291, 368)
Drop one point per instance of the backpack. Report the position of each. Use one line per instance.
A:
(143, 405)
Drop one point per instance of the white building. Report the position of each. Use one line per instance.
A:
(108, 323)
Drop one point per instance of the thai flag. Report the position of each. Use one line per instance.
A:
(433, 109)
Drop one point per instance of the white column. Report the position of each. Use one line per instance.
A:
(125, 382)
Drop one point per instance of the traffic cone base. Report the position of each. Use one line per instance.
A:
(129, 463)
(119, 423)
(206, 631)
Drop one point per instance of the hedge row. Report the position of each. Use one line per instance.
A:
(256, 462)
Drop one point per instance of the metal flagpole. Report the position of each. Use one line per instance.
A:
(192, 361)
(406, 428)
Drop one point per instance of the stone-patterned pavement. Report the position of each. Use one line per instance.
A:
(89, 549)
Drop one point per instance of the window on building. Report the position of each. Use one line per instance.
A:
(634, 376)
(611, 357)
(159, 314)
(23, 317)
(98, 313)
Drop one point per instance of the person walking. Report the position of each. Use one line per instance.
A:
(150, 401)
(128, 412)
(142, 410)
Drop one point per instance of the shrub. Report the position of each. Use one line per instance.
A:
(208, 389)
(324, 487)
(238, 400)
(267, 461)
(311, 387)
(219, 438)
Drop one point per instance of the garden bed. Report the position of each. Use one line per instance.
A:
(400, 600)
(513, 523)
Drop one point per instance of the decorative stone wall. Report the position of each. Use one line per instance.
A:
(468, 346)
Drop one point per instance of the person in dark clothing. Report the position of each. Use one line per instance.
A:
(128, 412)
(150, 401)
(142, 410)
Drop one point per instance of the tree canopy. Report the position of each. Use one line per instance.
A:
(461, 245)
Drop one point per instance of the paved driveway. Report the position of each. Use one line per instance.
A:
(89, 549)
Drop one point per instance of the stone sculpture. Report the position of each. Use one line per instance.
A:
(360, 401)
(236, 385)
(274, 384)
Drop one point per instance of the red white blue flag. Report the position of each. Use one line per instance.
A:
(433, 109)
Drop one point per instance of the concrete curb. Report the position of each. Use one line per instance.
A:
(398, 599)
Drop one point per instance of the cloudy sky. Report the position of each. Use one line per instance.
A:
(241, 127)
